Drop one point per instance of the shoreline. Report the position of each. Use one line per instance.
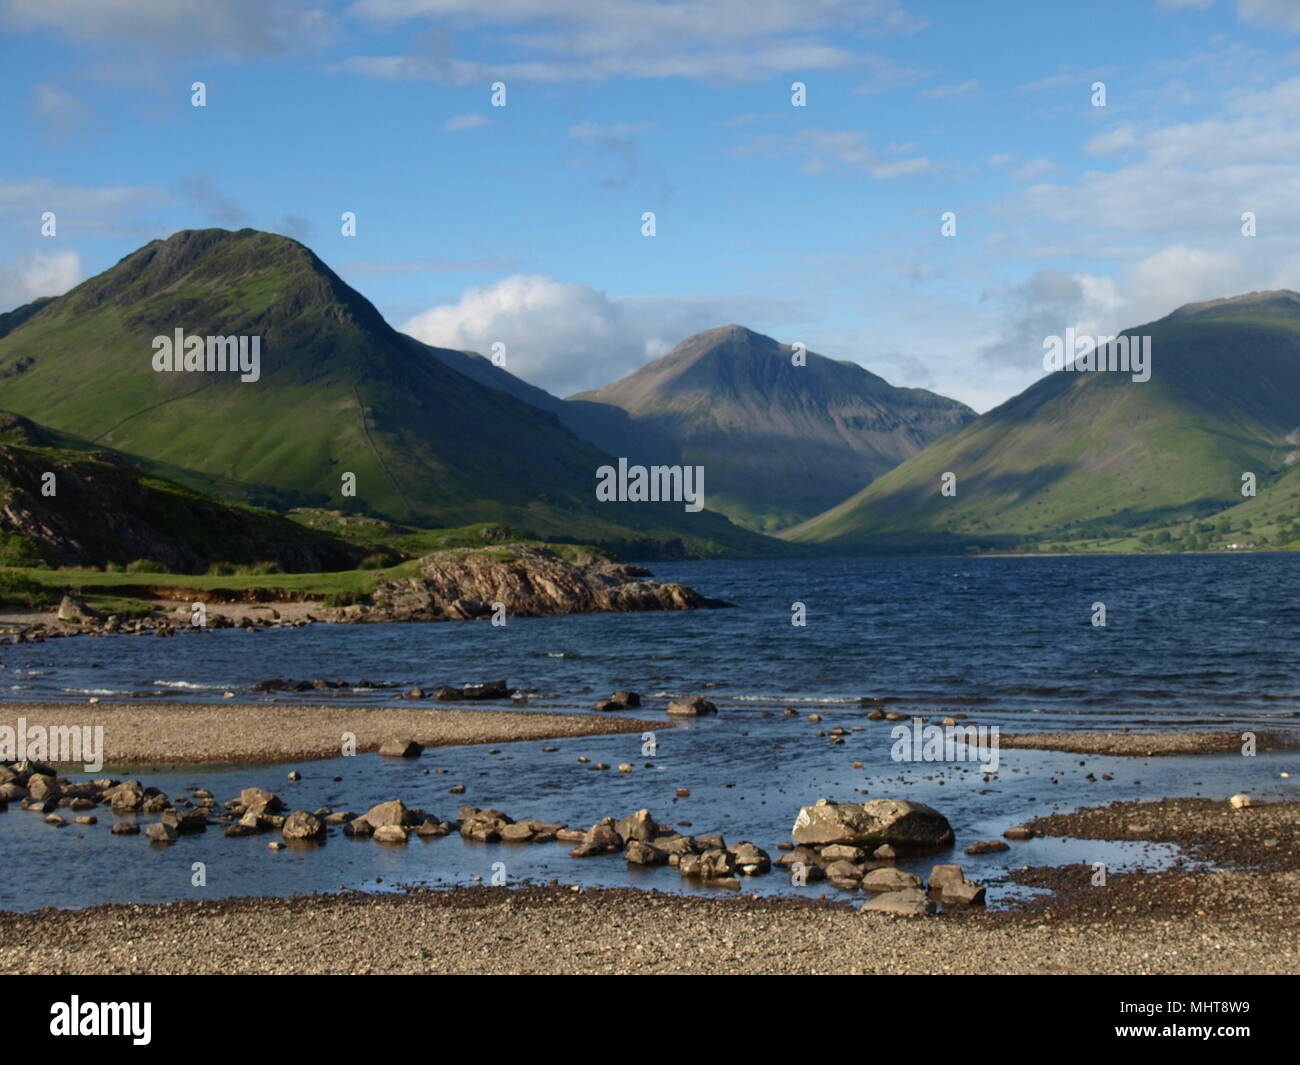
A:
(173, 733)
(1182, 920)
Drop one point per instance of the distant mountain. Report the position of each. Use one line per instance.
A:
(1082, 454)
(779, 442)
(340, 392)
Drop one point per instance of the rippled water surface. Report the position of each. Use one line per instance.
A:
(1190, 642)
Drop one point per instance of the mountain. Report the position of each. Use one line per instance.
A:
(103, 510)
(339, 392)
(778, 442)
(1081, 454)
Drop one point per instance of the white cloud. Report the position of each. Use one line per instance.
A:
(461, 122)
(1283, 14)
(567, 337)
(943, 92)
(36, 274)
(823, 150)
(243, 27)
(595, 40)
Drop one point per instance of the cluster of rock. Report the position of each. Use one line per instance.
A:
(853, 846)
(643, 842)
(493, 689)
(527, 580)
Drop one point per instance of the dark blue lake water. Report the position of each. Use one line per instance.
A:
(1190, 642)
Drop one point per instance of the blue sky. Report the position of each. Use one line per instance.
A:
(818, 224)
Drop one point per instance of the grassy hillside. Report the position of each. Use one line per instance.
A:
(340, 392)
(1082, 456)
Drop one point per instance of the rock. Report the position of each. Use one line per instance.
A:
(639, 853)
(987, 846)
(625, 767)
(457, 789)
(683, 793)
(749, 859)
(640, 826)
(358, 828)
(400, 749)
(43, 787)
(302, 825)
(240, 829)
(393, 812)
(962, 893)
(836, 851)
(125, 828)
(126, 796)
(843, 870)
(599, 839)
(520, 832)
(694, 706)
(945, 874)
(185, 821)
(390, 834)
(894, 821)
(1241, 800)
(884, 853)
(275, 845)
(261, 798)
(626, 699)
(607, 705)
(86, 820)
(463, 584)
(293, 775)
(160, 833)
(890, 880)
(73, 609)
(1019, 833)
(55, 820)
(711, 865)
(910, 902)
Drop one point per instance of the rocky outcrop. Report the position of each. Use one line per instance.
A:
(518, 580)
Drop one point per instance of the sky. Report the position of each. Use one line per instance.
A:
(819, 224)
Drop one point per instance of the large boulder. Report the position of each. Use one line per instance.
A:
(694, 706)
(393, 812)
(894, 821)
(302, 825)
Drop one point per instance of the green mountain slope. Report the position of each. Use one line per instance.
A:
(1080, 454)
(778, 442)
(104, 510)
(340, 392)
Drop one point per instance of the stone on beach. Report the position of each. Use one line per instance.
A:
(1241, 800)
(910, 902)
(395, 748)
(890, 880)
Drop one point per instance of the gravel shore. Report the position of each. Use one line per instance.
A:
(558, 931)
(1147, 744)
(166, 733)
(1183, 920)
